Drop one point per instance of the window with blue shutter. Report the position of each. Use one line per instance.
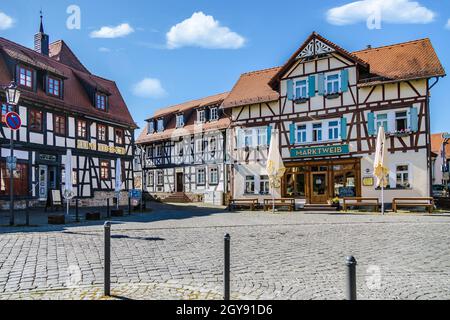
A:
(344, 80)
(312, 86)
(344, 128)
(371, 124)
(290, 89)
(414, 119)
(321, 84)
(292, 133)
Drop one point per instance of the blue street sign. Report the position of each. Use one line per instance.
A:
(13, 121)
(11, 163)
(135, 194)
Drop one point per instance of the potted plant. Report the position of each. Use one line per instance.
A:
(335, 202)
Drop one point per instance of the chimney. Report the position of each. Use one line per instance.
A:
(369, 46)
(41, 40)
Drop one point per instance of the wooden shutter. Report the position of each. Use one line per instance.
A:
(414, 119)
(371, 123)
(292, 133)
(321, 84)
(312, 86)
(290, 89)
(269, 135)
(344, 80)
(344, 128)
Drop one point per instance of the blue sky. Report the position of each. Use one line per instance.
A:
(160, 53)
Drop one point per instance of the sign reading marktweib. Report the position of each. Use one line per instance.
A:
(320, 151)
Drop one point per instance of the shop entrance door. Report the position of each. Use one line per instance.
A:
(319, 188)
(180, 182)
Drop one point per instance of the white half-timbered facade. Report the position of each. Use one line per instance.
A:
(327, 104)
(184, 152)
(63, 106)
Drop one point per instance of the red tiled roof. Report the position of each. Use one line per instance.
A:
(252, 87)
(436, 145)
(61, 52)
(76, 98)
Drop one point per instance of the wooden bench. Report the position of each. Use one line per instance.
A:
(425, 202)
(57, 220)
(239, 203)
(279, 203)
(361, 202)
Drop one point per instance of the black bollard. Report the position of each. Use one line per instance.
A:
(226, 271)
(351, 279)
(77, 213)
(107, 276)
(108, 210)
(129, 206)
(27, 213)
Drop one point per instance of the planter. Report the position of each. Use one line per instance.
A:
(117, 213)
(93, 216)
(56, 220)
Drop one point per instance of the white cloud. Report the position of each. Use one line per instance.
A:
(203, 31)
(447, 26)
(392, 11)
(6, 21)
(149, 88)
(105, 50)
(119, 31)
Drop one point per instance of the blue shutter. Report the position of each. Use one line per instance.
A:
(269, 135)
(371, 124)
(321, 84)
(344, 128)
(344, 80)
(414, 119)
(290, 89)
(292, 133)
(312, 86)
(240, 141)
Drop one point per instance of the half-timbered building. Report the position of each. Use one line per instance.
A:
(327, 104)
(63, 106)
(184, 152)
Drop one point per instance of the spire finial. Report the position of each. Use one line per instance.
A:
(41, 28)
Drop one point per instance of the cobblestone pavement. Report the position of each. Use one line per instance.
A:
(177, 253)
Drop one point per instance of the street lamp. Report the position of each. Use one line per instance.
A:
(12, 99)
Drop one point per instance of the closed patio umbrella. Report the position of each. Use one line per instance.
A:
(275, 166)
(68, 188)
(381, 169)
(118, 186)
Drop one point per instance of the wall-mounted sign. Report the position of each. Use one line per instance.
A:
(368, 182)
(320, 151)
(48, 158)
(101, 147)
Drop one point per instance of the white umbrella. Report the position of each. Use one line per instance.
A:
(275, 166)
(68, 188)
(380, 166)
(118, 186)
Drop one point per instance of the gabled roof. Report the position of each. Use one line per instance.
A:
(252, 87)
(314, 36)
(61, 52)
(437, 141)
(404, 61)
(76, 97)
(190, 126)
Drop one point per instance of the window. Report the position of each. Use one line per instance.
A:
(262, 136)
(36, 120)
(60, 125)
(403, 177)
(264, 185)
(213, 145)
(20, 180)
(317, 132)
(301, 89)
(151, 127)
(401, 121)
(53, 86)
(119, 137)
(332, 84)
(333, 130)
(159, 151)
(382, 121)
(100, 102)
(301, 134)
(82, 129)
(26, 77)
(179, 146)
(102, 133)
(248, 138)
(250, 185)
(150, 179)
(5, 110)
(201, 176)
(105, 168)
(160, 125)
(214, 175)
(214, 114)
(180, 121)
(201, 116)
(160, 178)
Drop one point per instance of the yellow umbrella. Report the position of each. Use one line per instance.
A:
(380, 166)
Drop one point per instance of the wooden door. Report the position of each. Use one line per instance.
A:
(319, 188)
(180, 182)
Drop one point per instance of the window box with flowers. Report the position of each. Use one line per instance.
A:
(400, 133)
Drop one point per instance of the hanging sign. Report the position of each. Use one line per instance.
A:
(13, 121)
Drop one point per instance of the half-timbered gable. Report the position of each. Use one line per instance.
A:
(330, 104)
(184, 150)
(64, 106)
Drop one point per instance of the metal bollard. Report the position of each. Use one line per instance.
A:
(226, 272)
(77, 213)
(107, 277)
(129, 206)
(27, 213)
(108, 211)
(351, 279)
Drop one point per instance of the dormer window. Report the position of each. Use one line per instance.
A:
(54, 86)
(26, 77)
(214, 114)
(201, 116)
(151, 127)
(160, 125)
(180, 121)
(100, 101)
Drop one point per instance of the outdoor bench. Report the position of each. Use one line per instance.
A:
(425, 202)
(279, 203)
(239, 203)
(361, 202)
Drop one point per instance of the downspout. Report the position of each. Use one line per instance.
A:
(428, 129)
